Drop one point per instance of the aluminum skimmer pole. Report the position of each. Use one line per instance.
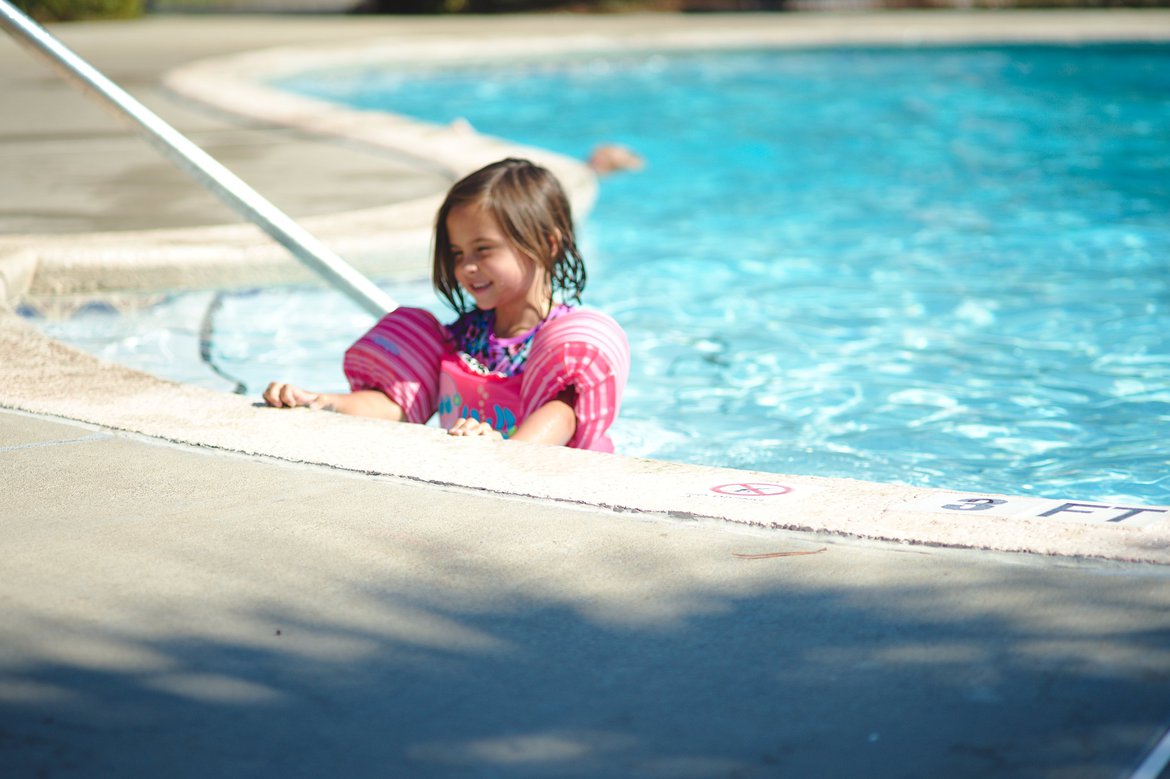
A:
(220, 181)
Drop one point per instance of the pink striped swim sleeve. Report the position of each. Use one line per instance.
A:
(588, 351)
(400, 357)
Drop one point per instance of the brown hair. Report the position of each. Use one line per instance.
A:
(531, 208)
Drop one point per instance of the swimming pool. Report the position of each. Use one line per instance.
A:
(944, 267)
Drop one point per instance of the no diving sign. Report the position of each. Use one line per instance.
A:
(751, 489)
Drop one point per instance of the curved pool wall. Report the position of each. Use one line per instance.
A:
(41, 376)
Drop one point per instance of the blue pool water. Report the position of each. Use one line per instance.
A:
(943, 267)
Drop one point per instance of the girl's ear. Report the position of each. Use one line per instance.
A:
(555, 239)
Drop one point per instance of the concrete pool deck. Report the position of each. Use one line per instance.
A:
(249, 591)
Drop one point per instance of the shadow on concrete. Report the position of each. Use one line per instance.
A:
(1038, 677)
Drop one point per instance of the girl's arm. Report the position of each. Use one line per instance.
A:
(363, 403)
(553, 423)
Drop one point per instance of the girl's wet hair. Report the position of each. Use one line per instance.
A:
(532, 209)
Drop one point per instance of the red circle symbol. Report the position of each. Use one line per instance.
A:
(752, 489)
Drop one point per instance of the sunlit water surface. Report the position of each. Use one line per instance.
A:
(944, 267)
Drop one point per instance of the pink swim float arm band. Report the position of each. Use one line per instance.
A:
(403, 356)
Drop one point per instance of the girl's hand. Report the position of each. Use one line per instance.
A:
(281, 395)
(472, 427)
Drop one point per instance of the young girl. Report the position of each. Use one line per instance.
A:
(515, 364)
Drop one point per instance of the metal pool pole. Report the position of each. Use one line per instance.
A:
(220, 181)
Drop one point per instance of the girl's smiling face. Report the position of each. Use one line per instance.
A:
(490, 269)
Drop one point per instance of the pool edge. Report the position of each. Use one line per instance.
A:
(42, 377)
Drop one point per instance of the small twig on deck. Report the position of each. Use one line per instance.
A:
(777, 554)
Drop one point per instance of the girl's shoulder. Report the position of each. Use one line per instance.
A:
(583, 326)
(579, 317)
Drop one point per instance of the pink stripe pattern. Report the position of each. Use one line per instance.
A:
(400, 357)
(588, 351)
(581, 349)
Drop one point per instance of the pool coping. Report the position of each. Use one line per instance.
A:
(41, 376)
